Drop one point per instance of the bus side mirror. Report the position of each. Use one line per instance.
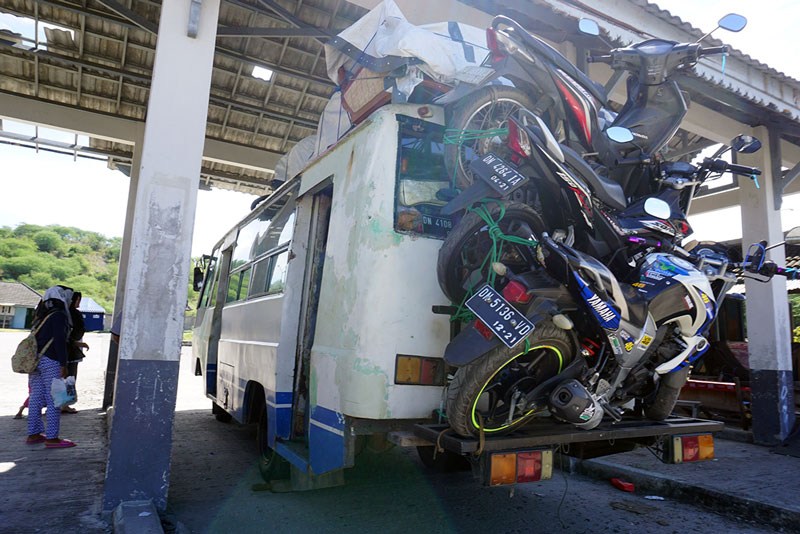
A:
(197, 279)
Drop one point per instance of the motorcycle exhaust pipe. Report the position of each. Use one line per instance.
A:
(573, 403)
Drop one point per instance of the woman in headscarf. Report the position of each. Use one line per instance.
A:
(53, 315)
(75, 343)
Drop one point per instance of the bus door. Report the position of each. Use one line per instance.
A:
(213, 317)
(318, 238)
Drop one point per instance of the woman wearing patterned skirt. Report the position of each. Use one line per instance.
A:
(53, 311)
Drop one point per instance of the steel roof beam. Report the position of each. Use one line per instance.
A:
(219, 49)
(130, 15)
(289, 17)
(690, 149)
(251, 31)
(122, 130)
(222, 101)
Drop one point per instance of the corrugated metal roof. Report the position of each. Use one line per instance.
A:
(18, 294)
(755, 82)
(104, 63)
(687, 27)
(88, 305)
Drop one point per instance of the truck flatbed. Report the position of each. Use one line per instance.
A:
(547, 432)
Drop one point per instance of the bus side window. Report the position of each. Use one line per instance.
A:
(233, 287)
(258, 285)
(278, 278)
(244, 284)
(212, 300)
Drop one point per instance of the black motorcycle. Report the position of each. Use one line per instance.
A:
(565, 336)
(526, 72)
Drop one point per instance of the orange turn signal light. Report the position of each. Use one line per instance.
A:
(693, 448)
(419, 370)
(519, 467)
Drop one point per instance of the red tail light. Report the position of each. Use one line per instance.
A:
(483, 329)
(516, 292)
(693, 448)
(529, 466)
(494, 48)
(518, 139)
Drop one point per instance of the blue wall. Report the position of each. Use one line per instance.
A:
(93, 321)
(19, 317)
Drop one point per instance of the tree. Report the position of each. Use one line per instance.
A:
(17, 266)
(48, 241)
(14, 246)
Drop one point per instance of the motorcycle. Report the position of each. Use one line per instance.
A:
(526, 72)
(570, 201)
(597, 174)
(571, 337)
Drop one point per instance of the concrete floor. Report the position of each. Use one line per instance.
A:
(213, 474)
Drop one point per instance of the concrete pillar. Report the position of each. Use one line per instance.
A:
(122, 273)
(768, 326)
(158, 268)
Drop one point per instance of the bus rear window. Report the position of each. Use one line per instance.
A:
(420, 175)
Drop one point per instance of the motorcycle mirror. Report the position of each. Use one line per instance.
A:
(793, 236)
(588, 27)
(499, 268)
(746, 144)
(619, 134)
(656, 207)
(733, 22)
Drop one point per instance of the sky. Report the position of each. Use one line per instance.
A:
(44, 188)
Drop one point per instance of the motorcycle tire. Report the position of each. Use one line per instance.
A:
(551, 351)
(487, 108)
(471, 232)
(663, 402)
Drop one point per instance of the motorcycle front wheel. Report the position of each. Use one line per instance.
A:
(462, 265)
(486, 393)
(485, 109)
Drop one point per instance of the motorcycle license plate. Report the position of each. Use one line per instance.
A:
(497, 173)
(502, 318)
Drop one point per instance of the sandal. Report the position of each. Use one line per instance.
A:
(64, 443)
(35, 440)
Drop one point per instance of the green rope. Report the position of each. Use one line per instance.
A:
(495, 252)
(454, 136)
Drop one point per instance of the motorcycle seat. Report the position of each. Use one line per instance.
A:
(554, 57)
(607, 190)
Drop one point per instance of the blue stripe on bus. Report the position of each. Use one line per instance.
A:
(328, 417)
(326, 447)
(279, 418)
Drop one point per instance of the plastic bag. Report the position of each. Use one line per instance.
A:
(63, 391)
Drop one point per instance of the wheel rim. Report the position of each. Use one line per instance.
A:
(472, 266)
(493, 114)
(494, 408)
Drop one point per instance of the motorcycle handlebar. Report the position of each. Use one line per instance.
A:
(712, 50)
(720, 165)
(636, 160)
(600, 59)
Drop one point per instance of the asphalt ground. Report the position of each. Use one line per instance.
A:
(215, 485)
